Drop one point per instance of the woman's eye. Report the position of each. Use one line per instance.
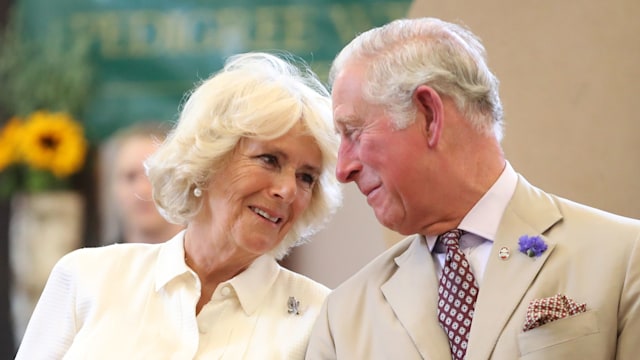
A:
(308, 179)
(269, 159)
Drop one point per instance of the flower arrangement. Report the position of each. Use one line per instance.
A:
(46, 84)
(532, 246)
(40, 152)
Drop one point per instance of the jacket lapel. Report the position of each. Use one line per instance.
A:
(505, 282)
(410, 293)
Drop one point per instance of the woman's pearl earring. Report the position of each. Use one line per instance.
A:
(197, 192)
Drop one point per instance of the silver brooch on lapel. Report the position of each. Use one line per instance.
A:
(504, 253)
(292, 306)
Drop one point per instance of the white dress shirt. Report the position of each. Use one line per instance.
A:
(137, 301)
(480, 225)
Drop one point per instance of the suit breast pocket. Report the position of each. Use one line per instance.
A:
(559, 331)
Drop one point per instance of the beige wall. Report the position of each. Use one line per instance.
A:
(570, 84)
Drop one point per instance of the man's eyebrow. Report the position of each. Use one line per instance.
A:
(342, 121)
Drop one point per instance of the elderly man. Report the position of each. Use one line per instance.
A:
(496, 268)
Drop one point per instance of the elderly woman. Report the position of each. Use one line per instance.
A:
(248, 170)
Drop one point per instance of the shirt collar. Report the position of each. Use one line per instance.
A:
(253, 284)
(484, 218)
(171, 262)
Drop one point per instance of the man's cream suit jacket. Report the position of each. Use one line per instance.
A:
(388, 309)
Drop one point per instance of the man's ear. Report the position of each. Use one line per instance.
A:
(431, 111)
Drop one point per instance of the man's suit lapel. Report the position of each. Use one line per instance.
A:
(505, 282)
(412, 294)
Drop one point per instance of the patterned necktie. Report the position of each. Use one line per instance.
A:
(457, 294)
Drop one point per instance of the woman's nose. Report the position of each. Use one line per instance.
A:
(285, 186)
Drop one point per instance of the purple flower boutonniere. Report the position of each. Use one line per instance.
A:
(532, 245)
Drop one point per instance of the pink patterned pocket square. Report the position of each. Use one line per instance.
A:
(542, 311)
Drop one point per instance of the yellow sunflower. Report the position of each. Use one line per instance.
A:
(9, 139)
(53, 142)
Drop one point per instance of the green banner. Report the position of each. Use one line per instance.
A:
(148, 54)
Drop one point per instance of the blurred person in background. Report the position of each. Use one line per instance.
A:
(129, 213)
(249, 171)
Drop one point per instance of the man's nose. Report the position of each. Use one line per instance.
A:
(348, 165)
